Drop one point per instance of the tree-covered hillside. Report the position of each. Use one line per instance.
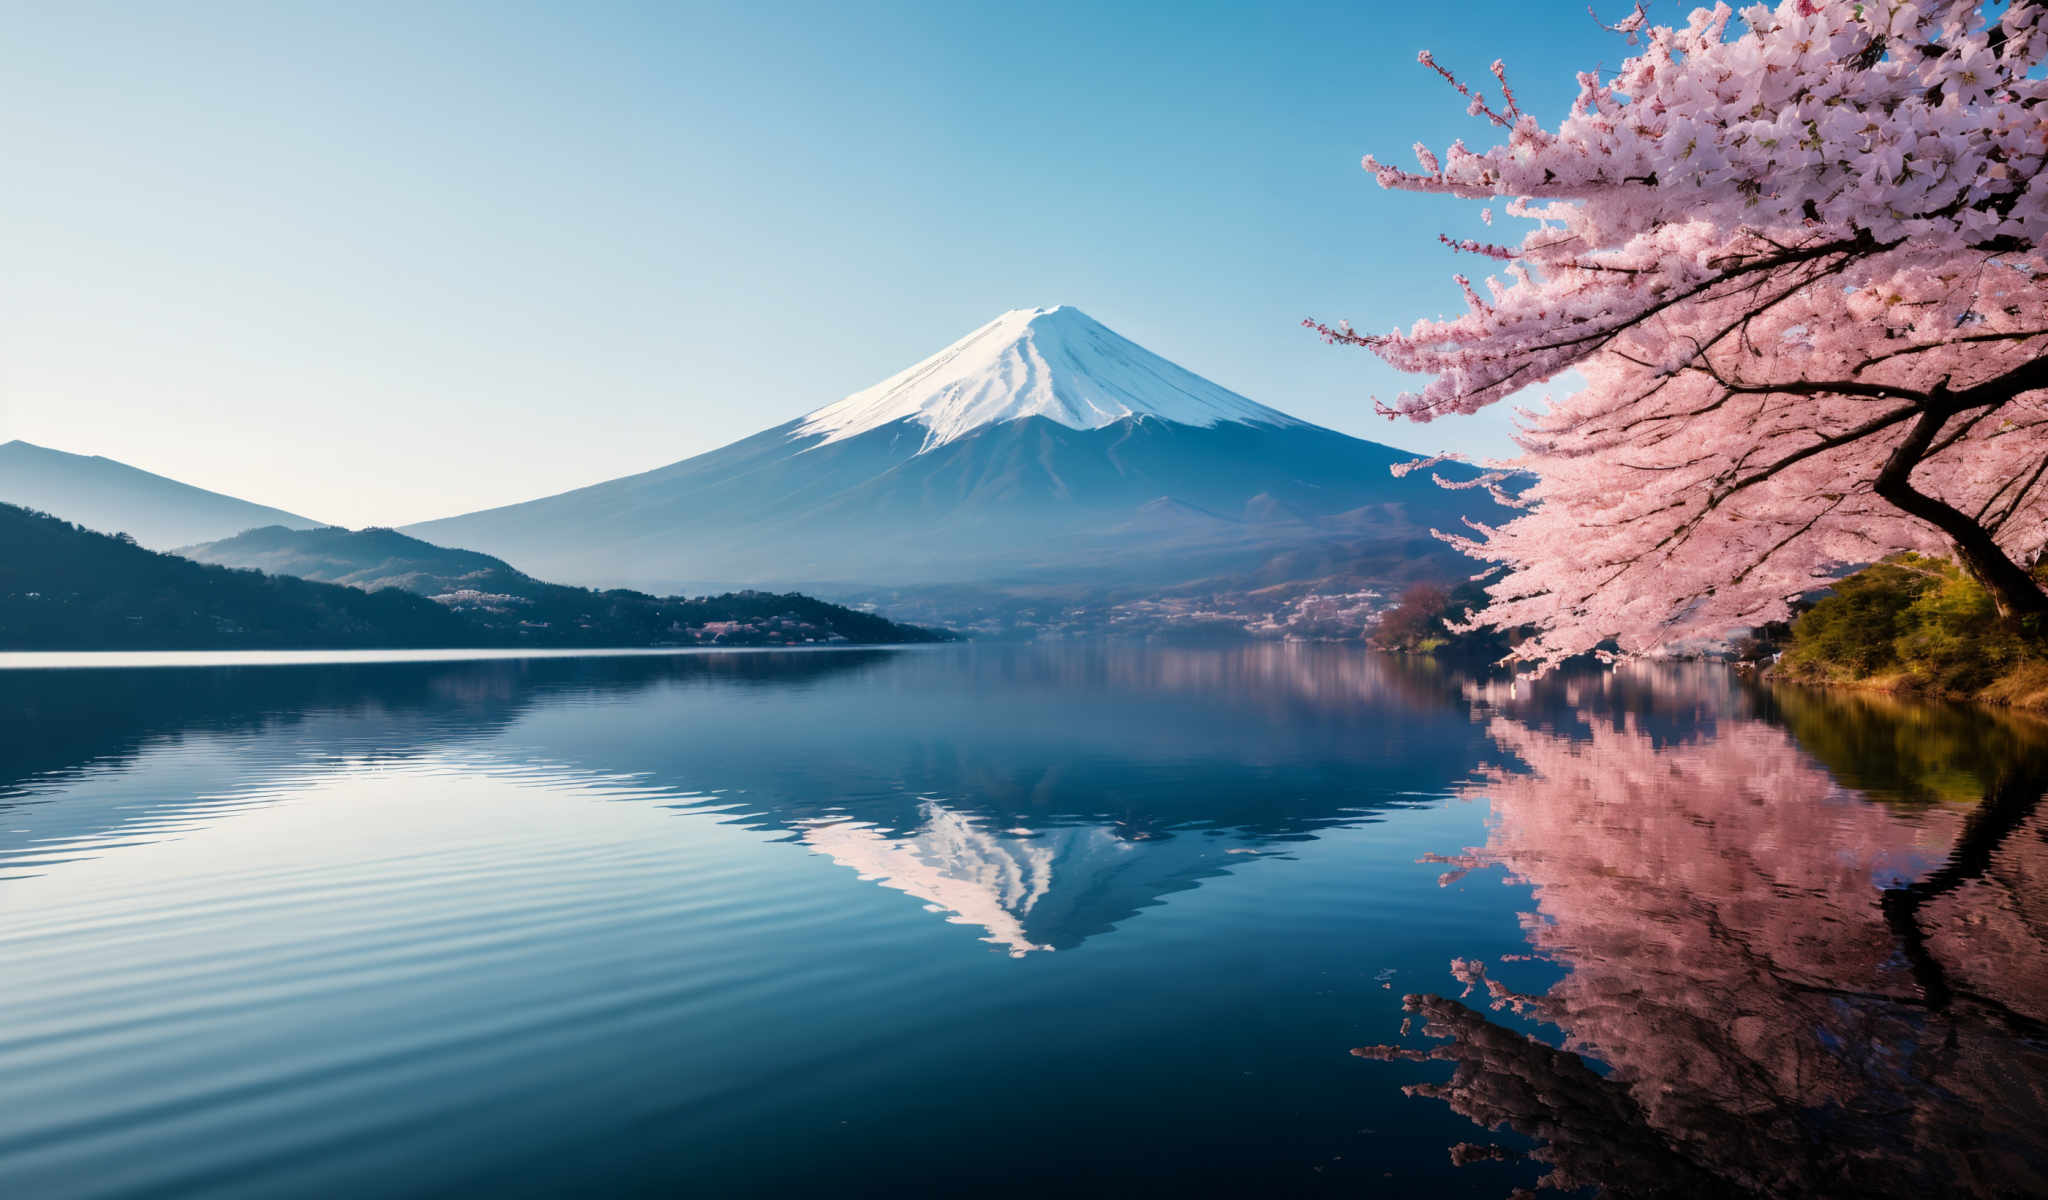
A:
(1913, 623)
(63, 587)
(366, 558)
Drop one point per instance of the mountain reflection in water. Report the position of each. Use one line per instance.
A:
(1043, 797)
(993, 920)
(1805, 952)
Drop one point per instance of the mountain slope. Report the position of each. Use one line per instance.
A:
(63, 587)
(364, 558)
(1042, 448)
(507, 603)
(113, 497)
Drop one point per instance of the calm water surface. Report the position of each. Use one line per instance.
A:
(1269, 920)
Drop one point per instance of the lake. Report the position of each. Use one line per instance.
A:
(1275, 919)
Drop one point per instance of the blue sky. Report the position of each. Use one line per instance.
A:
(380, 263)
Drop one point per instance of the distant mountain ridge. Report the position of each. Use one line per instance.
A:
(1042, 449)
(63, 587)
(1043, 476)
(112, 497)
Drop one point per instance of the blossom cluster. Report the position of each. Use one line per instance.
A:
(1779, 247)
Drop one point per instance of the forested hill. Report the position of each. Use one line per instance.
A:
(67, 588)
(369, 559)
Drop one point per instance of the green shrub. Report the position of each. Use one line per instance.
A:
(1854, 631)
(1952, 639)
(1919, 618)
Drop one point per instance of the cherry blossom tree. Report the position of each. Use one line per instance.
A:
(1796, 255)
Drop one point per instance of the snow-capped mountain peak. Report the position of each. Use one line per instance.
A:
(1057, 363)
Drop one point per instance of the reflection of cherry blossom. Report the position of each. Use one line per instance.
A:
(1798, 991)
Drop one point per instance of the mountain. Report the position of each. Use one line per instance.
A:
(1041, 451)
(63, 587)
(493, 593)
(113, 497)
(1056, 363)
(368, 559)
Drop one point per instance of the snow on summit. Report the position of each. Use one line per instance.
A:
(1059, 363)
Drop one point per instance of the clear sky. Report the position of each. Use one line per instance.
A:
(376, 263)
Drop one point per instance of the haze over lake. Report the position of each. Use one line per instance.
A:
(1004, 919)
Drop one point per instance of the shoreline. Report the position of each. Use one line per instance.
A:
(45, 660)
(2023, 690)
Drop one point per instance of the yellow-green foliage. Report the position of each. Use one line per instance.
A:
(2025, 687)
(1918, 622)
(1909, 752)
(1952, 639)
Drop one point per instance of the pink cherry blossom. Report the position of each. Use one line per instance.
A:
(1797, 256)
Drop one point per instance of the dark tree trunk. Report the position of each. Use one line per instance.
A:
(2012, 589)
